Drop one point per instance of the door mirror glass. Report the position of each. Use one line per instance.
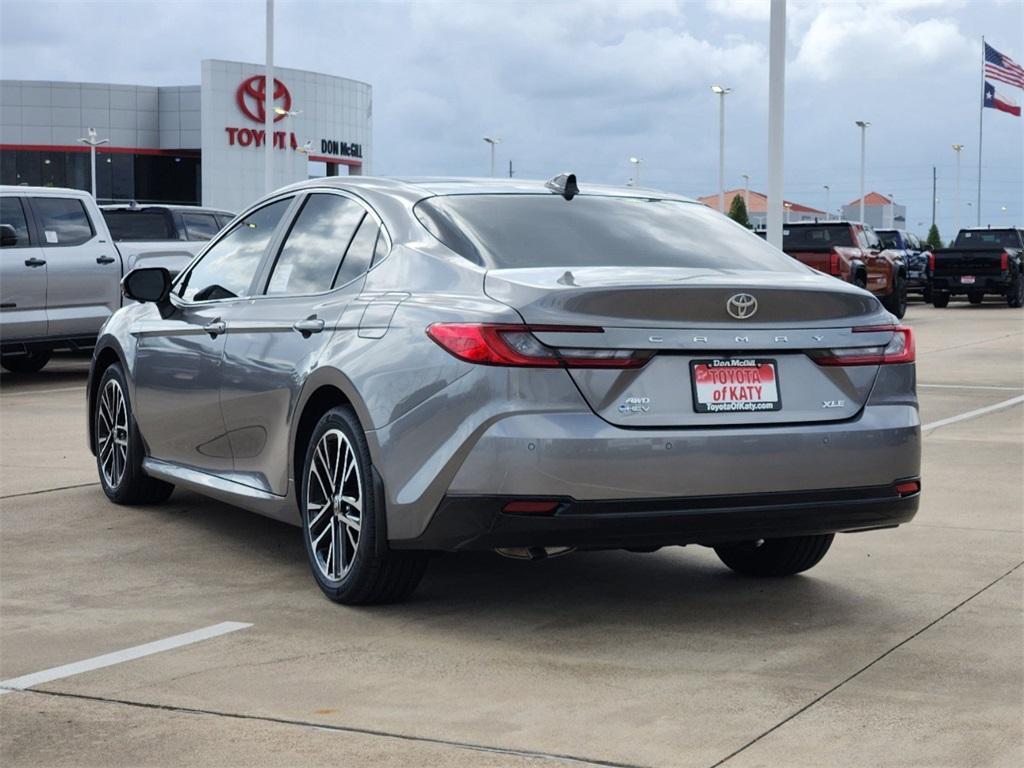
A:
(147, 284)
(8, 236)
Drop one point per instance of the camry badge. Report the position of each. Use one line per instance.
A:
(741, 306)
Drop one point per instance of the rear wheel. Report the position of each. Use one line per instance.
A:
(896, 301)
(31, 362)
(119, 448)
(939, 299)
(975, 297)
(1015, 293)
(775, 557)
(340, 505)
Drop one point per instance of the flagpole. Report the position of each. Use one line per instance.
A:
(981, 123)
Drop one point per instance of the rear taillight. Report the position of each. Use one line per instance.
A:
(1004, 261)
(931, 262)
(908, 487)
(834, 265)
(515, 345)
(900, 349)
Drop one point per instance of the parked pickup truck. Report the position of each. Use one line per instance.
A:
(60, 272)
(850, 252)
(908, 247)
(981, 261)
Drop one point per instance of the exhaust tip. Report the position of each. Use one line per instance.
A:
(533, 553)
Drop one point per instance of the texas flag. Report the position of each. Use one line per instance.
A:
(996, 100)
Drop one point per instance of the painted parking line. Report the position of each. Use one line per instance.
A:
(118, 657)
(975, 413)
(26, 393)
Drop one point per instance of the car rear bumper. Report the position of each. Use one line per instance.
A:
(479, 522)
(986, 283)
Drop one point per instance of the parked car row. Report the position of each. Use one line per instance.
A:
(63, 260)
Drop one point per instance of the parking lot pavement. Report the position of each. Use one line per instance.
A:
(901, 648)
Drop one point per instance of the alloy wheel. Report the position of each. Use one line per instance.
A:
(112, 433)
(334, 504)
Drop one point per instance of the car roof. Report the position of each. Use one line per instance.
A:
(164, 206)
(429, 186)
(17, 189)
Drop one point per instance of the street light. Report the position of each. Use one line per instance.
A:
(828, 201)
(493, 141)
(957, 148)
(636, 176)
(93, 142)
(721, 91)
(863, 125)
(787, 207)
(746, 191)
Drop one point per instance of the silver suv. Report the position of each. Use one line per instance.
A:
(404, 367)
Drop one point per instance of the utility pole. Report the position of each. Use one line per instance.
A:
(93, 142)
(721, 91)
(863, 125)
(493, 141)
(828, 202)
(957, 148)
(510, 169)
(776, 118)
(268, 105)
(934, 193)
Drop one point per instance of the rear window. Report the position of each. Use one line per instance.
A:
(139, 225)
(817, 236)
(988, 238)
(523, 231)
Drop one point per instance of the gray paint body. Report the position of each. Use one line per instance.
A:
(219, 414)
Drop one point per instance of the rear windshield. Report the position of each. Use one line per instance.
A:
(988, 238)
(890, 238)
(139, 225)
(546, 230)
(816, 236)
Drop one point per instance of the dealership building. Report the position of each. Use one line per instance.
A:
(185, 144)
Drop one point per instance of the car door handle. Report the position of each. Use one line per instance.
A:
(309, 326)
(215, 328)
(34, 262)
(105, 259)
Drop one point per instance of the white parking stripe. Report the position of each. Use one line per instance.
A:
(26, 393)
(976, 412)
(970, 386)
(117, 657)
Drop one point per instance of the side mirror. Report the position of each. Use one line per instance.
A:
(8, 236)
(144, 284)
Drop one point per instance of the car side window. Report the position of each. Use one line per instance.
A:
(380, 250)
(200, 226)
(315, 247)
(359, 253)
(227, 269)
(63, 221)
(12, 213)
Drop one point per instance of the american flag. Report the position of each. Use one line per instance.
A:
(1002, 68)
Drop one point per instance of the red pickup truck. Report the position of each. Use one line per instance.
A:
(851, 252)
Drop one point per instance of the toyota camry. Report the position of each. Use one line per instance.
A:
(403, 367)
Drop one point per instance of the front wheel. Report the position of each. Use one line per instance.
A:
(119, 448)
(340, 505)
(31, 362)
(775, 557)
(896, 301)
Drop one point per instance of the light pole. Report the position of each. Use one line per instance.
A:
(636, 176)
(493, 141)
(268, 105)
(746, 192)
(863, 125)
(957, 148)
(776, 119)
(828, 202)
(788, 207)
(93, 142)
(721, 91)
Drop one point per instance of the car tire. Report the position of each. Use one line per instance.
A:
(1015, 293)
(896, 301)
(926, 294)
(32, 361)
(339, 505)
(775, 557)
(119, 447)
(860, 280)
(975, 297)
(940, 300)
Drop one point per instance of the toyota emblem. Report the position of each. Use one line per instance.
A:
(741, 306)
(251, 98)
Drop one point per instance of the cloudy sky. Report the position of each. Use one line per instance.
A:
(583, 85)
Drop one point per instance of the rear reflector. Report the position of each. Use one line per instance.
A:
(834, 268)
(908, 488)
(899, 350)
(931, 262)
(516, 346)
(1004, 261)
(530, 507)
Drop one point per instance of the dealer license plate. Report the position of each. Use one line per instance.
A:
(967, 279)
(727, 385)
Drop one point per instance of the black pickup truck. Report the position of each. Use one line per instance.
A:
(981, 261)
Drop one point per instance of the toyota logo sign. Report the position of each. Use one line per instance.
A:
(251, 98)
(741, 306)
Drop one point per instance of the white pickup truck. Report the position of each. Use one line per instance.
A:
(60, 271)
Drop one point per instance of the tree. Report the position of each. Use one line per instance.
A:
(738, 211)
(933, 240)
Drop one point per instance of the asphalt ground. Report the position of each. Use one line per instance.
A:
(902, 648)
